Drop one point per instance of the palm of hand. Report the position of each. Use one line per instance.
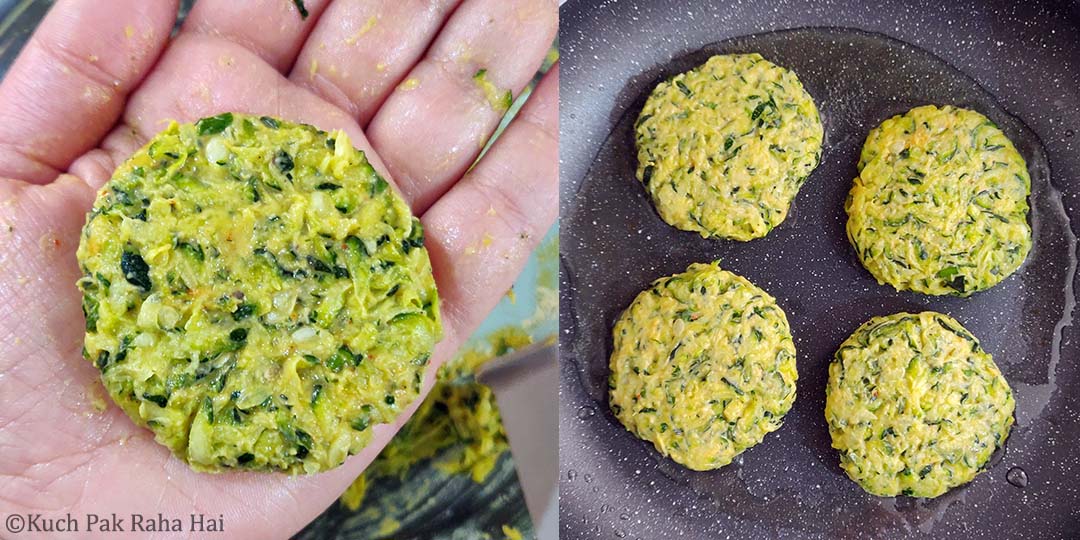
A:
(91, 88)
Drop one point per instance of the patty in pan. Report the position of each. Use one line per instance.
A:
(940, 203)
(915, 406)
(703, 366)
(724, 148)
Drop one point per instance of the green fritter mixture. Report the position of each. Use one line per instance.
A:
(940, 203)
(458, 424)
(724, 148)
(703, 366)
(256, 294)
(915, 406)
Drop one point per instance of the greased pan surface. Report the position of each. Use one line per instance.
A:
(862, 63)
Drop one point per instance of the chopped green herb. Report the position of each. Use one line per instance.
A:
(283, 161)
(193, 249)
(947, 272)
(244, 311)
(90, 308)
(214, 124)
(379, 185)
(301, 8)
(135, 270)
(160, 401)
(683, 88)
(339, 359)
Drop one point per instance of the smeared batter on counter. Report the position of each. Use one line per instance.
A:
(458, 424)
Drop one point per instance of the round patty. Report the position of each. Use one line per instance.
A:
(723, 148)
(915, 406)
(256, 294)
(703, 366)
(940, 204)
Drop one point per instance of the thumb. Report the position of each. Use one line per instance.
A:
(40, 227)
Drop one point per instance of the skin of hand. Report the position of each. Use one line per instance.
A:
(98, 79)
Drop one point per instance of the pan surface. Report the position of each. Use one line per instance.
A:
(1019, 64)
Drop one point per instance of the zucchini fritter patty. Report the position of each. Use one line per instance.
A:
(915, 406)
(723, 148)
(940, 204)
(256, 294)
(703, 366)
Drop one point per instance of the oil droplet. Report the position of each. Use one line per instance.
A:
(586, 411)
(1017, 477)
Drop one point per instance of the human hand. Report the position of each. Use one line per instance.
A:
(98, 80)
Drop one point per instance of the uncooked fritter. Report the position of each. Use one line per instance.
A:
(915, 406)
(703, 366)
(724, 148)
(256, 294)
(940, 204)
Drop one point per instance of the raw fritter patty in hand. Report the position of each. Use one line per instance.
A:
(940, 204)
(703, 366)
(256, 294)
(915, 406)
(723, 148)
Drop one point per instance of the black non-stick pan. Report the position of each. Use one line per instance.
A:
(1016, 62)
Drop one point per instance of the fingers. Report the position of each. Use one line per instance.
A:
(481, 232)
(272, 29)
(361, 49)
(434, 124)
(202, 76)
(97, 166)
(67, 87)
